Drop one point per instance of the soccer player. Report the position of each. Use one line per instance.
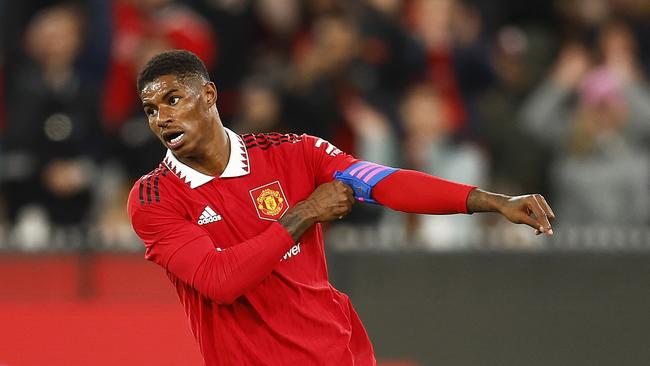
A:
(235, 222)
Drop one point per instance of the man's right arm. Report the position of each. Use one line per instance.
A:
(329, 201)
(187, 251)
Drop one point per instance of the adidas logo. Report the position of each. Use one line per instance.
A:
(208, 216)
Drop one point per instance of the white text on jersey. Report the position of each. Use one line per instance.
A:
(330, 149)
(208, 216)
(294, 251)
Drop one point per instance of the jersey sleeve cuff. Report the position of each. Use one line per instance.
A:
(468, 190)
(276, 230)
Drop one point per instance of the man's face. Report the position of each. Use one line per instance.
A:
(178, 112)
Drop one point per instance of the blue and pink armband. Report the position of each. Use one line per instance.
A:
(362, 176)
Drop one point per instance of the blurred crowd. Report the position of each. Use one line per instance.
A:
(535, 96)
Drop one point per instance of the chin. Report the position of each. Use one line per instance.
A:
(186, 151)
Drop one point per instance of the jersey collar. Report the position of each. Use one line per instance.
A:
(238, 164)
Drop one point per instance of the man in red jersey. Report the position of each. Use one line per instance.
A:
(235, 222)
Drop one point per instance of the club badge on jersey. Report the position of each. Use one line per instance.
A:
(270, 201)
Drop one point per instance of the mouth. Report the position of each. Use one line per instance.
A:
(173, 138)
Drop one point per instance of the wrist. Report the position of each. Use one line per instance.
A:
(479, 200)
(497, 201)
(298, 219)
(306, 212)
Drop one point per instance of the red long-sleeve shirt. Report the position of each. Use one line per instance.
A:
(253, 295)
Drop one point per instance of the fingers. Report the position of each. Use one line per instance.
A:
(524, 218)
(344, 199)
(545, 206)
(532, 210)
(350, 194)
(541, 220)
(349, 200)
(347, 190)
(341, 187)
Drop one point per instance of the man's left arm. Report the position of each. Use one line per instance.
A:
(417, 192)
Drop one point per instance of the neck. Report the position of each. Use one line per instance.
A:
(213, 158)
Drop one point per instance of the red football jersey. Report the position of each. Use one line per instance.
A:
(189, 221)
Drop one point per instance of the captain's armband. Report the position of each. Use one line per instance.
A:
(362, 176)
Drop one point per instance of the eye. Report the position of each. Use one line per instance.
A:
(150, 112)
(174, 100)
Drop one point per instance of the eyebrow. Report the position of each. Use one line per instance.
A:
(145, 104)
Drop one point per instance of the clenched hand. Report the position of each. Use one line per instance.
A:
(530, 209)
(327, 202)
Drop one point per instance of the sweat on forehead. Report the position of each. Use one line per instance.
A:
(183, 64)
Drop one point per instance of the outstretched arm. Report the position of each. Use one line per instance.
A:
(417, 192)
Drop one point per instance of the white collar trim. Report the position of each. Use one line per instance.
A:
(238, 164)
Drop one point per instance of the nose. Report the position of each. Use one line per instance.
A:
(165, 116)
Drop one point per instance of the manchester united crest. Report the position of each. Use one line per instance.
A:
(269, 201)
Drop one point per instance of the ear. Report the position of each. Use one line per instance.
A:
(210, 94)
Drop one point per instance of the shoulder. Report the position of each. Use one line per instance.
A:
(152, 189)
(265, 141)
(288, 142)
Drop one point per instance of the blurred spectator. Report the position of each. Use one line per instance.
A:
(236, 28)
(375, 138)
(597, 118)
(430, 147)
(318, 79)
(458, 56)
(280, 23)
(517, 159)
(53, 138)
(431, 20)
(260, 109)
(2, 115)
(390, 57)
(3, 16)
(637, 14)
(582, 17)
(2, 92)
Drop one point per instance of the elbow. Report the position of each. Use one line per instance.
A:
(224, 296)
(211, 281)
(225, 299)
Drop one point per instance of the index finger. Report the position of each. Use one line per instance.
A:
(346, 187)
(349, 192)
(545, 206)
(541, 216)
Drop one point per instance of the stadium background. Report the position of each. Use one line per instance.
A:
(535, 96)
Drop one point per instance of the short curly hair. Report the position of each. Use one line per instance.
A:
(180, 63)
